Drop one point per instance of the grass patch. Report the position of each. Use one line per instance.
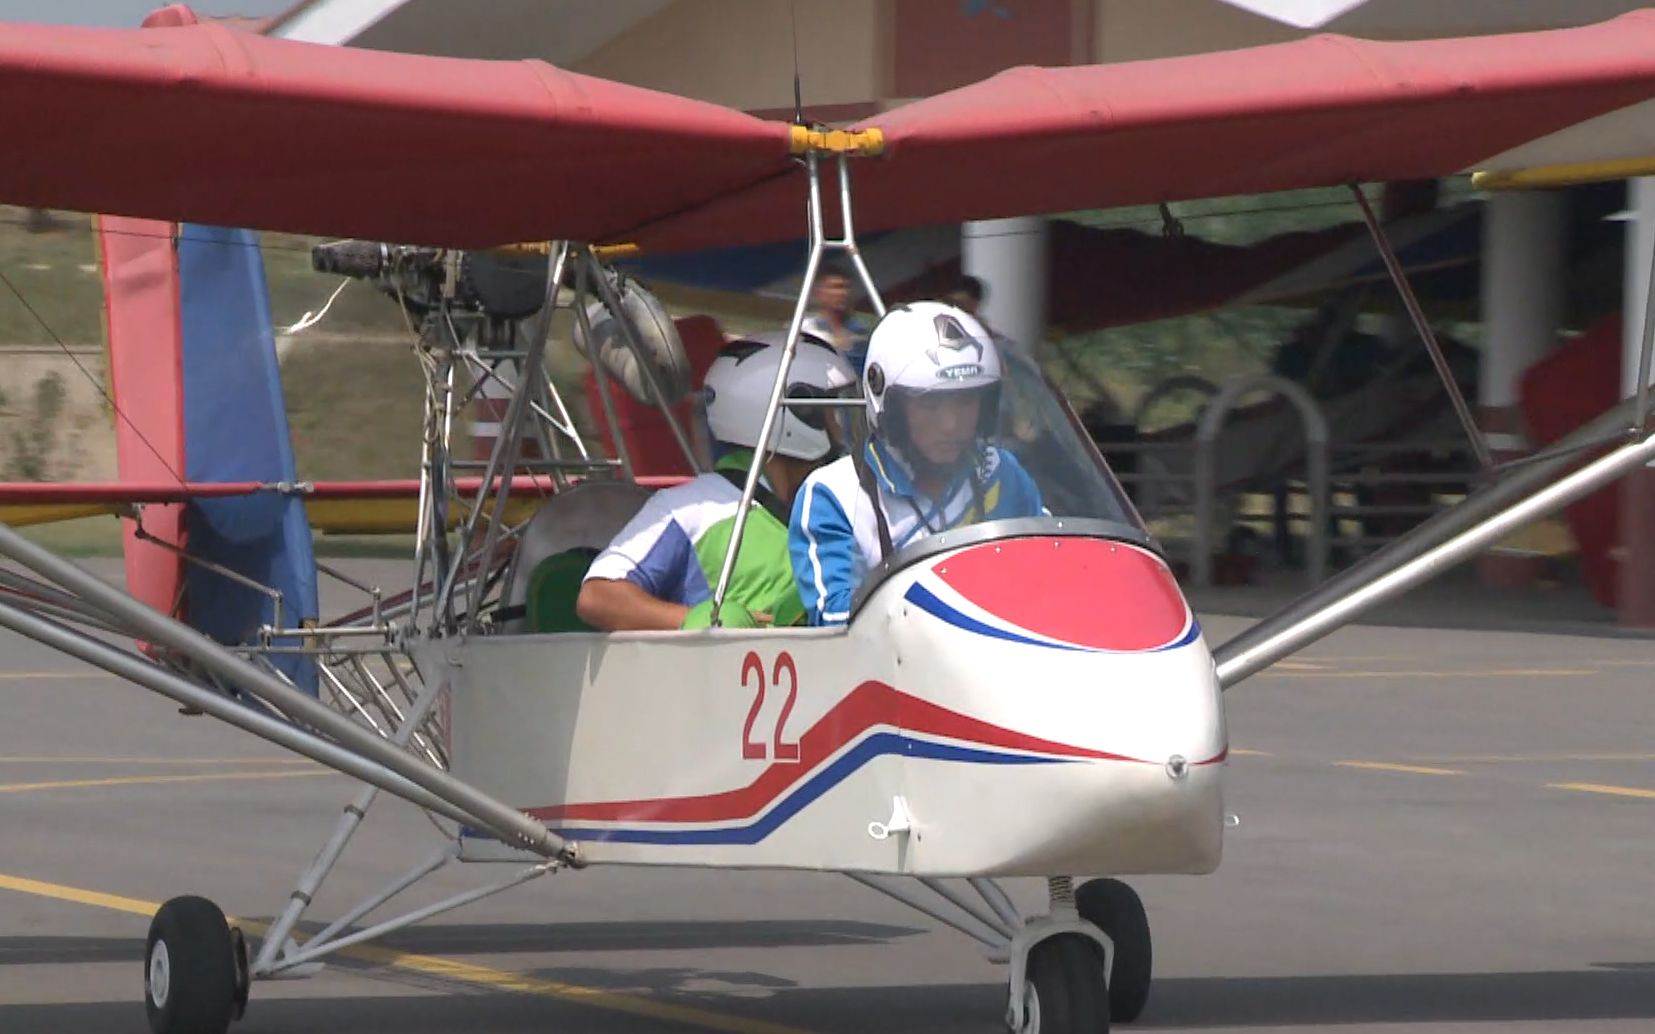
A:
(353, 407)
(86, 537)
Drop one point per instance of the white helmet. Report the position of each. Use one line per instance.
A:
(738, 385)
(923, 347)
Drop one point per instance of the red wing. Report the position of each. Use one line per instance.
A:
(1315, 112)
(214, 126)
(205, 124)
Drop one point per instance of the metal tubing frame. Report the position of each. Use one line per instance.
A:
(918, 904)
(990, 919)
(373, 592)
(1479, 506)
(69, 616)
(1640, 419)
(391, 718)
(356, 704)
(611, 299)
(1433, 562)
(409, 919)
(503, 457)
(818, 245)
(567, 427)
(499, 818)
(1399, 278)
(998, 900)
(273, 595)
(583, 323)
(311, 879)
(536, 387)
(1316, 471)
(431, 522)
(440, 858)
(36, 591)
(180, 689)
(45, 599)
(388, 702)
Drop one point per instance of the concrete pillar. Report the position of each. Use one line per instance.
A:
(1010, 257)
(1522, 298)
(1636, 549)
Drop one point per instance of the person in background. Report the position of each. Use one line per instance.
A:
(967, 296)
(831, 317)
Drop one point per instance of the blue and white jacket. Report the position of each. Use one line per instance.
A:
(833, 536)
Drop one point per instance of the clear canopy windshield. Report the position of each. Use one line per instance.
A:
(1038, 427)
(1040, 434)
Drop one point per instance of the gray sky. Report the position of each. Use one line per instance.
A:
(125, 13)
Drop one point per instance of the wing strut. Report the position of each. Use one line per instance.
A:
(499, 818)
(1400, 278)
(812, 144)
(1236, 662)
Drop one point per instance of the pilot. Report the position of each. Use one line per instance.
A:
(932, 389)
(659, 572)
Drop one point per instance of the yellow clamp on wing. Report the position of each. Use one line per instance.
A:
(605, 252)
(1543, 176)
(855, 142)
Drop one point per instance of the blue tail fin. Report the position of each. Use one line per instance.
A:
(235, 429)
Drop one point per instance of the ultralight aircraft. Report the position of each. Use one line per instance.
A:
(962, 726)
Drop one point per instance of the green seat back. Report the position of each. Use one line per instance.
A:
(553, 586)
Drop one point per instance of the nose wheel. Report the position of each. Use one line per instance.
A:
(1083, 964)
(1116, 909)
(1064, 992)
(195, 969)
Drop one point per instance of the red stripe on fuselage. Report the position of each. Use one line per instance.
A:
(869, 705)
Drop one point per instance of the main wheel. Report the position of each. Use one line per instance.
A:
(1065, 993)
(191, 983)
(1116, 909)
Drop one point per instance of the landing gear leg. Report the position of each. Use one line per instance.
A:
(1058, 985)
(1116, 909)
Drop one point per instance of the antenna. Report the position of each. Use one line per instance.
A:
(798, 93)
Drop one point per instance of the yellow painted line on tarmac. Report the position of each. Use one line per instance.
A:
(503, 980)
(1486, 673)
(1613, 791)
(1476, 759)
(1243, 752)
(198, 777)
(96, 899)
(1387, 766)
(437, 966)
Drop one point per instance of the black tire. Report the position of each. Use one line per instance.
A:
(1116, 909)
(190, 978)
(1069, 996)
(244, 972)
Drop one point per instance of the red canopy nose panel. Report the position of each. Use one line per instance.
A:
(1088, 593)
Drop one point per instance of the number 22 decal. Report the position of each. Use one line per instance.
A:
(752, 671)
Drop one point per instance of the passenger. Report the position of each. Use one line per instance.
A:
(660, 571)
(932, 389)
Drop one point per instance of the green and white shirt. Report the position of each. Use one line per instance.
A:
(674, 547)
